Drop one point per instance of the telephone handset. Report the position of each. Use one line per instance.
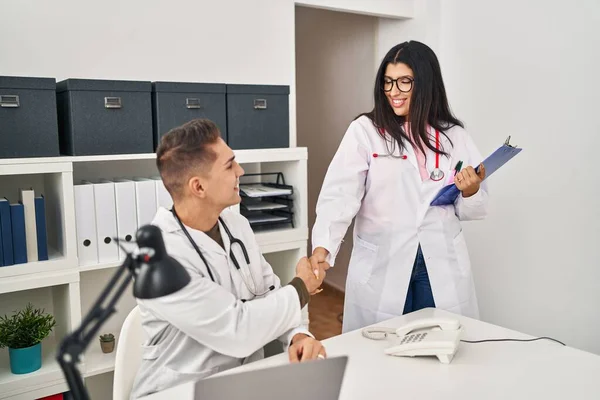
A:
(423, 337)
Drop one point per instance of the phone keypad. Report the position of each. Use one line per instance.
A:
(416, 337)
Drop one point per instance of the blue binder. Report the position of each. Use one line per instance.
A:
(17, 215)
(6, 229)
(448, 194)
(40, 224)
(1, 251)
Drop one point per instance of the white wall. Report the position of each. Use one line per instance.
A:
(334, 56)
(381, 8)
(230, 41)
(424, 27)
(530, 70)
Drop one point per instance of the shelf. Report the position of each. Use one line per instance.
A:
(98, 362)
(21, 167)
(38, 280)
(242, 156)
(55, 262)
(271, 155)
(95, 267)
(62, 287)
(49, 374)
(281, 235)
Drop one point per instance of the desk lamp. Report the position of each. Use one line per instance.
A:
(155, 274)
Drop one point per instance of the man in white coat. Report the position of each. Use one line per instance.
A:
(234, 304)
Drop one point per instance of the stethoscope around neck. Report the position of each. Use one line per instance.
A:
(232, 240)
(437, 174)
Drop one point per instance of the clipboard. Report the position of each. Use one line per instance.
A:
(448, 194)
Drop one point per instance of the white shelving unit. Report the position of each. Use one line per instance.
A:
(66, 289)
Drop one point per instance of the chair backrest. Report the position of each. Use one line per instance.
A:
(128, 356)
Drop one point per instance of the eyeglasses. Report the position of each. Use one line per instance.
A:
(404, 84)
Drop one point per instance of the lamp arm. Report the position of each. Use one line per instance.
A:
(75, 344)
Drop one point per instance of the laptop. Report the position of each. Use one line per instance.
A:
(318, 379)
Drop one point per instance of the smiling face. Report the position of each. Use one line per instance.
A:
(221, 182)
(398, 83)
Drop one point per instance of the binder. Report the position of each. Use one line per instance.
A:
(26, 197)
(106, 221)
(85, 222)
(126, 214)
(6, 228)
(448, 194)
(163, 198)
(40, 223)
(1, 249)
(145, 200)
(17, 216)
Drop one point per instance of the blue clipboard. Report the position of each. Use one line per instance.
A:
(448, 194)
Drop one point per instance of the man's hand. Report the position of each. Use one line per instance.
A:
(311, 279)
(304, 348)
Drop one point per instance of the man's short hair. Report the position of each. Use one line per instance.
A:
(183, 151)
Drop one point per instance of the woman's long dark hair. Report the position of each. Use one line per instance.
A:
(428, 102)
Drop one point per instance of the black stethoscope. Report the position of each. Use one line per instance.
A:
(437, 174)
(232, 240)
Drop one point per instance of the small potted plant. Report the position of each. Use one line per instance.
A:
(23, 333)
(107, 342)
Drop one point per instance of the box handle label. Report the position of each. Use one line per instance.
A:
(260, 104)
(192, 103)
(112, 102)
(9, 101)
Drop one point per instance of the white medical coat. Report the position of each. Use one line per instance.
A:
(205, 328)
(393, 215)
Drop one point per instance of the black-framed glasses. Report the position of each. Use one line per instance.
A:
(404, 84)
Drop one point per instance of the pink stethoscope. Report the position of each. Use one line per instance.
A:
(437, 174)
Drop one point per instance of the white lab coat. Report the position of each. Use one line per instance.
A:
(205, 328)
(393, 215)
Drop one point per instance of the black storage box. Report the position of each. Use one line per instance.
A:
(258, 116)
(175, 103)
(28, 125)
(104, 117)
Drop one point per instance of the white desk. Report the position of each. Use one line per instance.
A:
(494, 370)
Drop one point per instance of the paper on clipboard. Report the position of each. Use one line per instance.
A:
(502, 155)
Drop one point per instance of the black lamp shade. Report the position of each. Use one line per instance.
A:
(158, 274)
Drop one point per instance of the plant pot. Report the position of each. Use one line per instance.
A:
(25, 360)
(107, 347)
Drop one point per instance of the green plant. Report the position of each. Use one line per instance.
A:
(25, 328)
(108, 337)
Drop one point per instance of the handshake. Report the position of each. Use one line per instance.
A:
(312, 270)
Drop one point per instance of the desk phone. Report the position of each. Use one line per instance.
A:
(438, 337)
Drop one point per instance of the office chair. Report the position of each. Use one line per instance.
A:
(128, 356)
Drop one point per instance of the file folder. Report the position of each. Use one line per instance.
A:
(126, 214)
(448, 194)
(106, 221)
(27, 199)
(6, 228)
(145, 200)
(17, 216)
(85, 222)
(40, 223)
(163, 198)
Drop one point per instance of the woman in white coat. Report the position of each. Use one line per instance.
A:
(391, 163)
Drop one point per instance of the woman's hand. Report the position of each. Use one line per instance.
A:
(468, 181)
